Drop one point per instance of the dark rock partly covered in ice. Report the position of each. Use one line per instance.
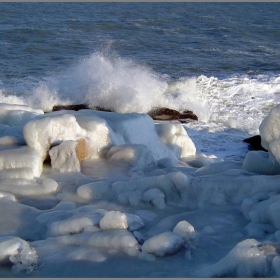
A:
(77, 107)
(255, 143)
(159, 114)
(166, 114)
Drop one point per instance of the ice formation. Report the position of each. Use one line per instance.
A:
(18, 252)
(166, 243)
(119, 187)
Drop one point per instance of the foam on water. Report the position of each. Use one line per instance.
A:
(120, 84)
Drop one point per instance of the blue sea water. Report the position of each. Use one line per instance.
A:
(177, 39)
(63, 50)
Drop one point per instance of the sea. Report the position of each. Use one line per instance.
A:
(220, 60)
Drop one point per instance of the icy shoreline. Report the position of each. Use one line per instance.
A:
(82, 191)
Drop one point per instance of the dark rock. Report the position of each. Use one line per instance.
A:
(97, 108)
(166, 114)
(76, 107)
(188, 115)
(255, 143)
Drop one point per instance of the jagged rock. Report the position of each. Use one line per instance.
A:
(255, 143)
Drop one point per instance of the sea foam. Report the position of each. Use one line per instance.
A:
(125, 86)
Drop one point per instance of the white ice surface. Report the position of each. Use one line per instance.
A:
(149, 200)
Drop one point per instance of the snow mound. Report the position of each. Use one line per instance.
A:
(167, 243)
(18, 251)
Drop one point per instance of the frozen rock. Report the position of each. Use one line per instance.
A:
(119, 240)
(134, 222)
(114, 220)
(17, 115)
(270, 134)
(69, 226)
(131, 155)
(185, 230)
(64, 157)
(167, 243)
(19, 160)
(270, 127)
(247, 259)
(19, 253)
(200, 160)
(155, 197)
(52, 128)
(6, 195)
(147, 257)
(176, 138)
(25, 187)
(94, 190)
(259, 162)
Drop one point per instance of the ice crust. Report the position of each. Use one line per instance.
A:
(163, 197)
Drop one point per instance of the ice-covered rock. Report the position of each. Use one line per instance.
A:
(17, 115)
(20, 162)
(270, 134)
(167, 243)
(64, 157)
(94, 190)
(155, 197)
(111, 239)
(130, 139)
(134, 222)
(114, 220)
(6, 195)
(18, 252)
(131, 155)
(270, 127)
(176, 138)
(52, 128)
(69, 226)
(259, 162)
(26, 187)
(247, 259)
(185, 230)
